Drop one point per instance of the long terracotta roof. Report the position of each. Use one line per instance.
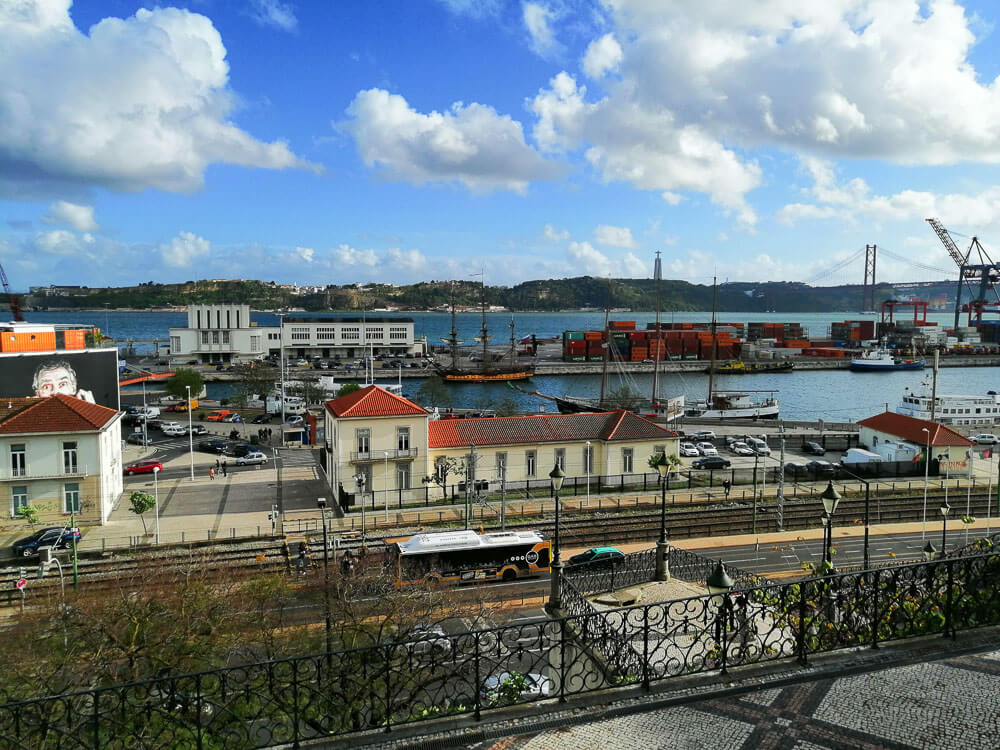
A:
(59, 413)
(562, 428)
(373, 401)
(912, 429)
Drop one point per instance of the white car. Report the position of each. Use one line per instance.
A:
(255, 457)
(702, 435)
(688, 450)
(985, 439)
(707, 449)
(295, 421)
(428, 640)
(507, 687)
(741, 449)
(174, 430)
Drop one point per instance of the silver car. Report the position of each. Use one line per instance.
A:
(254, 457)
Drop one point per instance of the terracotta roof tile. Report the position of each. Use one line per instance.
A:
(562, 428)
(373, 401)
(912, 429)
(53, 414)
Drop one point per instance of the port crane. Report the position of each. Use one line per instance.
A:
(12, 300)
(985, 272)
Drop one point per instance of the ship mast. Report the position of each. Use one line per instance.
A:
(711, 365)
(452, 339)
(513, 352)
(607, 347)
(658, 275)
(484, 332)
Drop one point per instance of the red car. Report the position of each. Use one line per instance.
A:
(143, 467)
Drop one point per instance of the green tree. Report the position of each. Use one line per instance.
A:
(184, 377)
(623, 397)
(444, 468)
(28, 513)
(140, 503)
(347, 388)
(434, 392)
(254, 379)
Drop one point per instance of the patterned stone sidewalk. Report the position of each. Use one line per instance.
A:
(943, 705)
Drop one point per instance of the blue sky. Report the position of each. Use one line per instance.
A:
(405, 140)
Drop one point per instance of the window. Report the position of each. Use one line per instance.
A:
(659, 450)
(225, 337)
(175, 344)
(529, 463)
(403, 441)
(326, 333)
(588, 459)
(501, 466)
(352, 333)
(561, 458)
(300, 334)
(255, 343)
(366, 472)
(18, 460)
(397, 334)
(403, 476)
(215, 337)
(69, 458)
(18, 498)
(364, 442)
(204, 337)
(627, 460)
(71, 496)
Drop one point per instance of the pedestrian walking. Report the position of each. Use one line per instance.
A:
(211, 473)
(216, 463)
(224, 469)
(727, 486)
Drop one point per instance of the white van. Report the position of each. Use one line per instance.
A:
(758, 446)
(860, 456)
(149, 411)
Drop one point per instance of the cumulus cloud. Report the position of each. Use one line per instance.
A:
(590, 260)
(133, 103)
(603, 56)
(348, 256)
(72, 215)
(537, 20)
(57, 242)
(554, 235)
(184, 249)
(305, 253)
(614, 236)
(473, 8)
(472, 144)
(635, 267)
(274, 13)
(407, 260)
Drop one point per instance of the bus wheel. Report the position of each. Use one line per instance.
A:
(509, 575)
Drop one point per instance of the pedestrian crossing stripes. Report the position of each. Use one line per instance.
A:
(296, 458)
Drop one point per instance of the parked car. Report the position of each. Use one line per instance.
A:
(758, 446)
(295, 421)
(711, 462)
(425, 640)
(147, 466)
(232, 417)
(254, 457)
(687, 450)
(508, 687)
(212, 446)
(51, 536)
(598, 557)
(742, 449)
(262, 418)
(821, 468)
(707, 449)
(985, 439)
(239, 450)
(814, 449)
(796, 469)
(152, 424)
(137, 438)
(702, 435)
(174, 430)
(217, 416)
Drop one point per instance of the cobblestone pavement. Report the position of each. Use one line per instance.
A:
(954, 703)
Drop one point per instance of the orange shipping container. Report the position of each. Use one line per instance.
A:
(76, 339)
(38, 341)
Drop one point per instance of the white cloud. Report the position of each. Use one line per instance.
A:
(672, 199)
(183, 250)
(72, 215)
(603, 56)
(57, 242)
(473, 8)
(590, 261)
(133, 103)
(305, 253)
(636, 267)
(537, 20)
(614, 236)
(349, 256)
(472, 144)
(274, 13)
(555, 235)
(412, 261)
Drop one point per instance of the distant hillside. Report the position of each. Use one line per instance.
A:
(543, 295)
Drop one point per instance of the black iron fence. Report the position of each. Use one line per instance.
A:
(338, 694)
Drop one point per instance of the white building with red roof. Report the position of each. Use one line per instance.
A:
(60, 455)
(889, 429)
(395, 444)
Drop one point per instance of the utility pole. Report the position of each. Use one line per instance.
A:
(781, 479)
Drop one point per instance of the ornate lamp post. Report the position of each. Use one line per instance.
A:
(719, 584)
(360, 479)
(929, 552)
(831, 499)
(944, 510)
(321, 504)
(662, 569)
(557, 475)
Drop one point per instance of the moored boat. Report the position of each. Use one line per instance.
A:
(950, 409)
(734, 405)
(883, 360)
(739, 367)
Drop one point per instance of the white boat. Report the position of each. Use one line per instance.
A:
(734, 405)
(951, 408)
(883, 360)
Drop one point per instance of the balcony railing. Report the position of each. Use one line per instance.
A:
(394, 454)
(31, 473)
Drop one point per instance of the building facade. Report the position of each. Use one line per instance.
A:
(895, 435)
(221, 334)
(395, 444)
(61, 456)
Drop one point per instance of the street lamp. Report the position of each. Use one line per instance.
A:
(589, 459)
(557, 475)
(386, 454)
(944, 510)
(825, 520)
(156, 502)
(719, 585)
(830, 498)
(929, 552)
(190, 434)
(662, 570)
(927, 469)
(360, 480)
(868, 499)
(321, 503)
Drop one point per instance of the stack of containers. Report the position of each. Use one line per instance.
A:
(853, 330)
(574, 346)
(595, 345)
(989, 331)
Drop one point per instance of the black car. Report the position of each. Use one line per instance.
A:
(814, 448)
(598, 558)
(796, 469)
(264, 418)
(154, 424)
(51, 536)
(821, 468)
(212, 446)
(239, 450)
(711, 462)
(137, 438)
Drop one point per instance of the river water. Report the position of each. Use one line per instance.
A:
(836, 396)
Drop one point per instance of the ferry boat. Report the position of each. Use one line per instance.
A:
(951, 409)
(734, 405)
(883, 360)
(739, 367)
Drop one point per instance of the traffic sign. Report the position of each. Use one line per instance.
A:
(21, 583)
